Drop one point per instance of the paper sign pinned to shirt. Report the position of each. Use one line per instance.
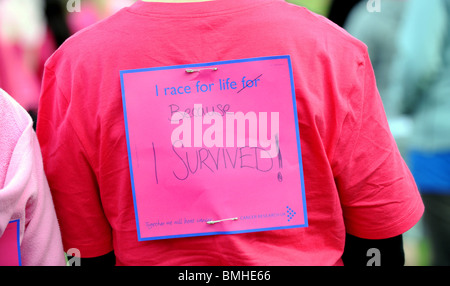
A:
(10, 245)
(214, 148)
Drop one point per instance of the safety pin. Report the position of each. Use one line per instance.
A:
(222, 220)
(198, 70)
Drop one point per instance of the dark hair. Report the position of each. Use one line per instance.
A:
(340, 10)
(55, 15)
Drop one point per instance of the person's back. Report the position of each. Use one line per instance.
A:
(348, 152)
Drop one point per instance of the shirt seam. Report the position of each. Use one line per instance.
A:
(69, 120)
(201, 15)
(363, 64)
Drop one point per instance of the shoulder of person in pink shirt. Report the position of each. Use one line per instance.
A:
(24, 191)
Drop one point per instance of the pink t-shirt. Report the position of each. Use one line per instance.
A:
(355, 178)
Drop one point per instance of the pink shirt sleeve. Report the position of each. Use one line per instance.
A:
(378, 193)
(74, 187)
(24, 191)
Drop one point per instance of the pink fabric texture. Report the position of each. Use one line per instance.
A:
(355, 178)
(24, 191)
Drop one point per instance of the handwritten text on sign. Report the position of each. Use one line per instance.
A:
(214, 148)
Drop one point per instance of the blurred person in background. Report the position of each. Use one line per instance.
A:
(421, 89)
(379, 32)
(22, 32)
(31, 31)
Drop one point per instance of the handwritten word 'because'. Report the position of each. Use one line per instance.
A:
(216, 136)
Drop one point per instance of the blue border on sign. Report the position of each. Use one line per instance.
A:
(294, 103)
(297, 130)
(17, 221)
